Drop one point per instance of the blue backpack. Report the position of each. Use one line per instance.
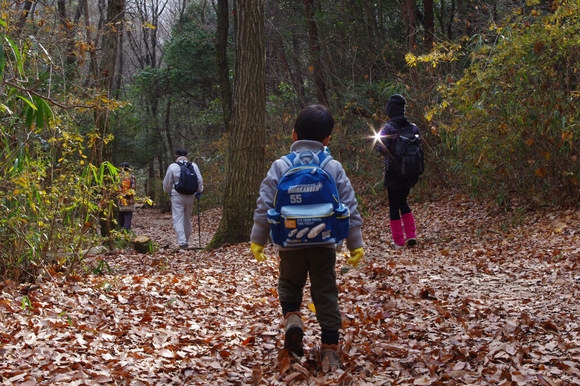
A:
(307, 210)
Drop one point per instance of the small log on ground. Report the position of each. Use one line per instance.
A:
(142, 244)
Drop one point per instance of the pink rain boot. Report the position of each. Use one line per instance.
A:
(409, 228)
(397, 233)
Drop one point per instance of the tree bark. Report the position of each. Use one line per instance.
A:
(451, 17)
(107, 64)
(316, 62)
(143, 244)
(111, 32)
(409, 17)
(118, 75)
(23, 16)
(67, 28)
(428, 24)
(245, 166)
(103, 73)
(297, 78)
(223, 67)
(167, 124)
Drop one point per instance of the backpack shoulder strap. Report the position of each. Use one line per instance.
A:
(324, 158)
(289, 159)
(407, 130)
(183, 163)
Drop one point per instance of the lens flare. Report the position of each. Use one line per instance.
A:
(377, 138)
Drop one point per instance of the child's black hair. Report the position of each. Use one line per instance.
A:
(315, 122)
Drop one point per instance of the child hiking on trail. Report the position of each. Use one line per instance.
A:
(126, 201)
(397, 183)
(298, 260)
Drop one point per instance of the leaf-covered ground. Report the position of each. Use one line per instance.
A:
(487, 298)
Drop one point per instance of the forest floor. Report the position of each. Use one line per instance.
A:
(486, 298)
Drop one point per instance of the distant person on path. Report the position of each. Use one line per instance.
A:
(126, 202)
(398, 186)
(182, 203)
(311, 133)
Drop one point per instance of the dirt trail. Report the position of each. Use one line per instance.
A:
(486, 298)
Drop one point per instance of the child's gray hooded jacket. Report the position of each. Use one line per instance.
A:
(261, 228)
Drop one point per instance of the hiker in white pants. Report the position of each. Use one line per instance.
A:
(181, 209)
(181, 204)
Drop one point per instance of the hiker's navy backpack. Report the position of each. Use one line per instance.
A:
(307, 210)
(408, 155)
(187, 183)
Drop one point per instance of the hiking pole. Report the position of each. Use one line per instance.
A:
(198, 224)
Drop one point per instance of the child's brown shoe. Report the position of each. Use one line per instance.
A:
(293, 333)
(329, 357)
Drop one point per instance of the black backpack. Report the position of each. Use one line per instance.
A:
(408, 151)
(187, 179)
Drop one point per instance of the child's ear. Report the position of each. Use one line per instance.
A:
(326, 141)
(294, 135)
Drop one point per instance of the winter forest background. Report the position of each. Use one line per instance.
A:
(86, 85)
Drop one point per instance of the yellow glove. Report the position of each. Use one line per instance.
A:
(355, 256)
(258, 251)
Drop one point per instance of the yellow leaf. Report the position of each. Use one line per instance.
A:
(567, 136)
(311, 307)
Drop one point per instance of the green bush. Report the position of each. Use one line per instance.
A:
(52, 201)
(509, 127)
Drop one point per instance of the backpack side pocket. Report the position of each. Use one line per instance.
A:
(341, 222)
(276, 227)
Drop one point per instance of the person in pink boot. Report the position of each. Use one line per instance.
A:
(398, 184)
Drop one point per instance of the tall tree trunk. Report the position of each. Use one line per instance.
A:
(67, 28)
(223, 67)
(275, 55)
(446, 18)
(110, 46)
(428, 24)
(167, 124)
(410, 18)
(94, 66)
(297, 78)
(285, 70)
(451, 17)
(316, 62)
(23, 16)
(380, 16)
(118, 76)
(441, 16)
(106, 72)
(245, 166)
